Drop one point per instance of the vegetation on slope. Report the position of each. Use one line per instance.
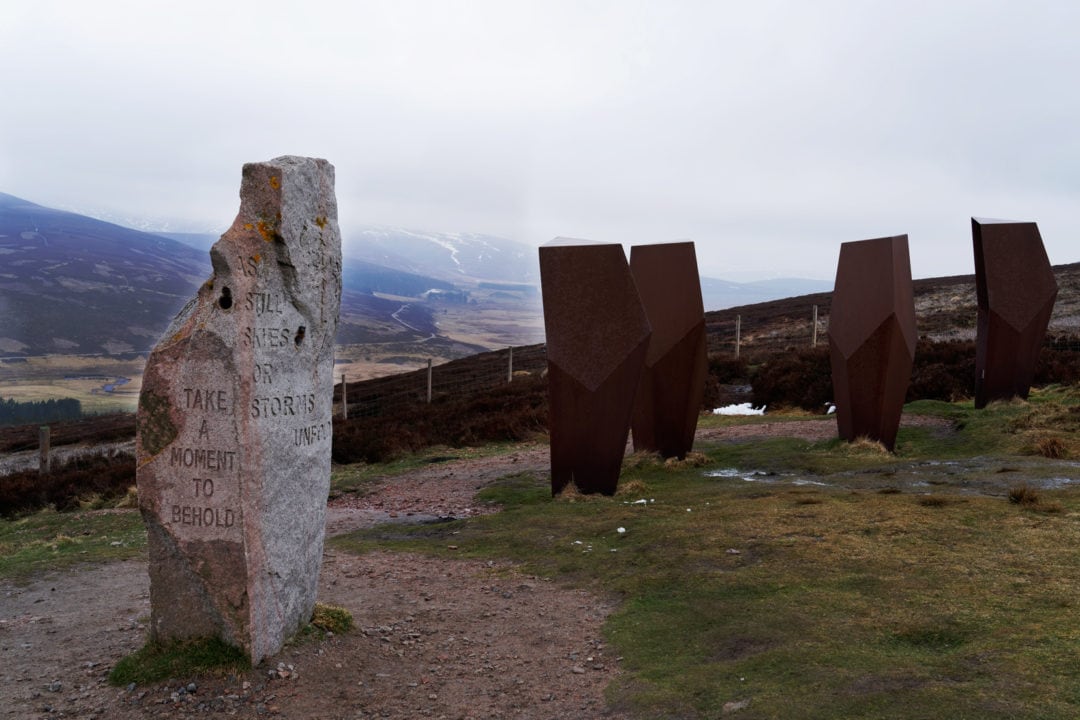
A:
(838, 581)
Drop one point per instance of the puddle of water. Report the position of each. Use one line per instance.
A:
(752, 476)
(760, 476)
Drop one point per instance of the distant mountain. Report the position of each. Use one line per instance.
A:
(72, 284)
(357, 275)
(472, 259)
(721, 294)
(199, 241)
(453, 257)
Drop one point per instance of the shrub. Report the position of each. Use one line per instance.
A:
(1057, 366)
(942, 371)
(1051, 447)
(727, 370)
(1028, 497)
(800, 378)
(332, 618)
(1023, 495)
(105, 477)
(511, 412)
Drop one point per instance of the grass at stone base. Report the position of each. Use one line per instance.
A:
(808, 601)
(184, 659)
(49, 540)
(180, 659)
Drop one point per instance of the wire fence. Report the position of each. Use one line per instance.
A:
(1063, 342)
(372, 398)
(466, 376)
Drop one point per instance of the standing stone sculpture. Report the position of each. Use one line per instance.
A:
(234, 421)
(597, 336)
(872, 337)
(669, 396)
(1016, 290)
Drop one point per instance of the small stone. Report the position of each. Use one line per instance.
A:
(55, 686)
(578, 670)
(735, 706)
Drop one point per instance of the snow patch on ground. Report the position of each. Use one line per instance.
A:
(739, 409)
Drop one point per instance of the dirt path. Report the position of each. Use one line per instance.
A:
(436, 638)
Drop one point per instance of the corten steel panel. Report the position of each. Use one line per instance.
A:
(669, 396)
(1016, 289)
(597, 337)
(872, 337)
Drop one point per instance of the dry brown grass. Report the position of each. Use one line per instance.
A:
(1051, 447)
(864, 447)
(692, 460)
(1028, 498)
(939, 501)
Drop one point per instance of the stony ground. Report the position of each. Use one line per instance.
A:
(438, 639)
(435, 638)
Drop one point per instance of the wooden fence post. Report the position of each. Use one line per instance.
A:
(429, 381)
(344, 399)
(738, 334)
(43, 445)
(813, 341)
(510, 366)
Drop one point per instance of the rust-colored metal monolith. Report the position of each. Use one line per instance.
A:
(669, 395)
(597, 337)
(1016, 289)
(872, 337)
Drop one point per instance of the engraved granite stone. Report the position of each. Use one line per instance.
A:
(597, 336)
(234, 421)
(669, 396)
(872, 337)
(1015, 289)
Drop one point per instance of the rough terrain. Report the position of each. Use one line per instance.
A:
(435, 638)
(458, 639)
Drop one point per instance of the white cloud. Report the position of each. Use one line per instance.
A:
(768, 132)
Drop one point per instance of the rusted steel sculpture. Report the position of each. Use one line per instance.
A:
(597, 336)
(1016, 289)
(872, 337)
(669, 395)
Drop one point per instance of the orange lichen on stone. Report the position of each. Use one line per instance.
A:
(264, 230)
(249, 226)
(320, 221)
(275, 182)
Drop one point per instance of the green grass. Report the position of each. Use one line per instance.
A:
(182, 659)
(49, 540)
(810, 601)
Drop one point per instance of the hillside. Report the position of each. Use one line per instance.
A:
(945, 309)
(459, 258)
(72, 284)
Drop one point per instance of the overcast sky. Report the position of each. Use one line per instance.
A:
(767, 132)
